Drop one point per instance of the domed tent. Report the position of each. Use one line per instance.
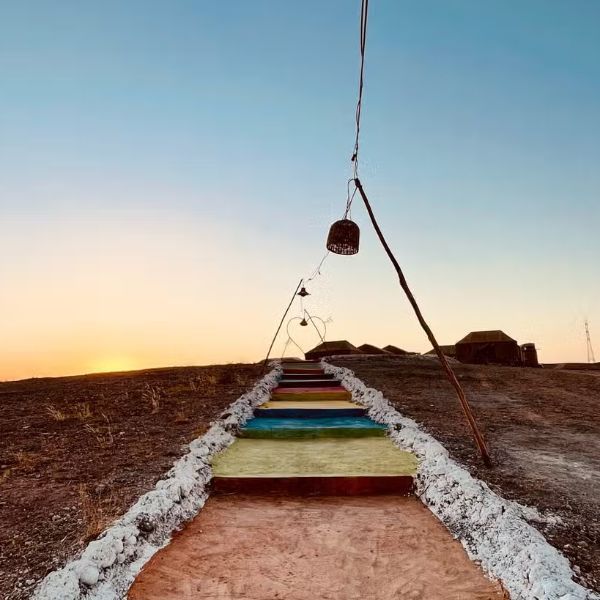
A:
(331, 349)
(370, 349)
(395, 350)
(447, 350)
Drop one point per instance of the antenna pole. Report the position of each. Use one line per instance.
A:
(590, 349)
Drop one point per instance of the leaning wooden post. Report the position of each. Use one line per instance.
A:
(444, 362)
(279, 327)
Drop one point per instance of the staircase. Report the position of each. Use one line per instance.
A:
(311, 439)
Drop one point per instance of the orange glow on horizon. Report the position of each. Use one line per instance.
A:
(112, 364)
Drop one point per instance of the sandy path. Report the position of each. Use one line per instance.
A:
(254, 548)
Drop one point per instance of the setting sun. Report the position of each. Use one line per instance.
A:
(111, 364)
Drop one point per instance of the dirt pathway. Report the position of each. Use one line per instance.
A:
(366, 547)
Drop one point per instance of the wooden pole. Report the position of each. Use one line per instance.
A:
(444, 362)
(279, 327)
(313, 324)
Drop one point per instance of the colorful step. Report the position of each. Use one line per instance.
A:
(309, 383)
(307, 409)
(316, 393)
(350, 466)
(329, 427)
(303, 375)
(303, 366)
(295, 371)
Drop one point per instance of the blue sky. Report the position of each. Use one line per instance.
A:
(168, 170)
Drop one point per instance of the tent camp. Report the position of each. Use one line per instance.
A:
(395, 350)
(331, 348)
(370, 349)
(448, 350)
(483, 347)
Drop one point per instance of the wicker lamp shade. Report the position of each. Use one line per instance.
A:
(343, 237)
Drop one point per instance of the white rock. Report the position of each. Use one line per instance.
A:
(89, 575)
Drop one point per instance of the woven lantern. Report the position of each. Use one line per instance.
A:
(343, 237)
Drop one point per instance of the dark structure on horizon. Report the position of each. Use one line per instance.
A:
(370, 349)
(529, 355)
(331, 349)
(448, 350)
(486, 347)
(395, 350)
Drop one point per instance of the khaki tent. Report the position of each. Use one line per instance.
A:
(448, 350)
(370, 349)
(395, 350)
(483, 347)
(331, 348)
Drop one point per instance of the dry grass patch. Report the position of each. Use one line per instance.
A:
(97, 513)
(55, 414)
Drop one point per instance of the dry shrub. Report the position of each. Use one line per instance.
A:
(103, 435)
(205, 383)
(83, 412)
(97, 513)
(180, 416)
(152, 395)
(26, 461)
(4, 475)
(55, 413)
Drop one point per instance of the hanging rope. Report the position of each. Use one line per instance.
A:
(364, 14)
(317, 271)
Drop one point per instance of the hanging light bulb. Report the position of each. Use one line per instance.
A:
(343, 238)
(303, 323)
(302, 293)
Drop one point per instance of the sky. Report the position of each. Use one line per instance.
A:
(169, 171)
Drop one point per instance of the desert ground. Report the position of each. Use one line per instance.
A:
(543, 431)
(75, 452)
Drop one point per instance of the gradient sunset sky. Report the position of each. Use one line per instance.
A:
(169, 170)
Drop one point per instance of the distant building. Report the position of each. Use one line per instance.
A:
(395, 350)
(484, 347)
(331, 349)
(370, 349)
(448, 350)
(529, 355)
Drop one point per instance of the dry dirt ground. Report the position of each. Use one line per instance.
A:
(76, 452)
(543, 429)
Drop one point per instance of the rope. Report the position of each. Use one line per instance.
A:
(444, 362)
(317, 271)
(364, 13)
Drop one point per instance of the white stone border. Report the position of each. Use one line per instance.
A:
(108, 566)
(492, 530)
